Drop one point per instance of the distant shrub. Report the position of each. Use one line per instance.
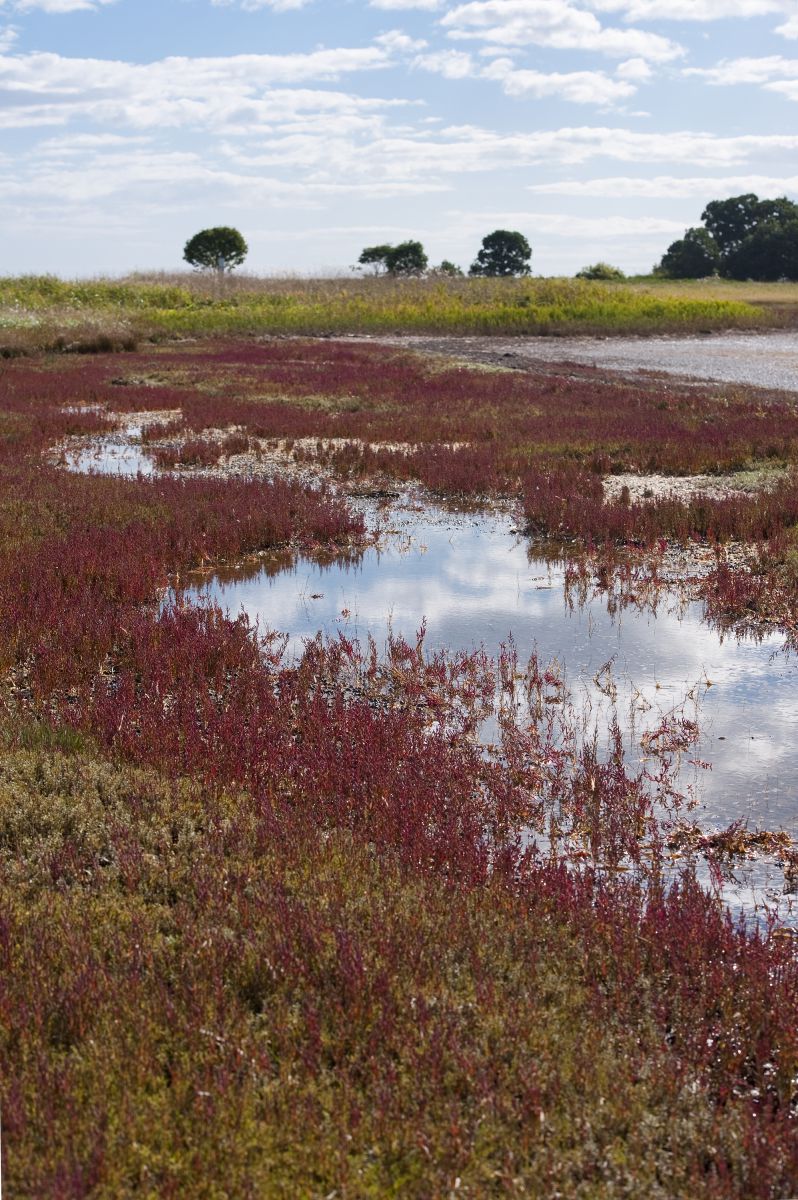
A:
(601, 270)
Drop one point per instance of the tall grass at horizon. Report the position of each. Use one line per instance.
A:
(47, 312)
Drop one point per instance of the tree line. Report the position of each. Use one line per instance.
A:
(742, 237)
(504, 252)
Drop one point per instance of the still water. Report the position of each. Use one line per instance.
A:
(471, 580)
(113, 454)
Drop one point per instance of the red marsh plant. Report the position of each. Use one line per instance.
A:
(275, 928)
(545, 438)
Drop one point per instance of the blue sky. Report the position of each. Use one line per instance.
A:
(599, 128)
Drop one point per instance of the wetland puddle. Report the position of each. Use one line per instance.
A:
(471, 580)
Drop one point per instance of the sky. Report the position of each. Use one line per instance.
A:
(598, 128)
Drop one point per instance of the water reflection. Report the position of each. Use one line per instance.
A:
(471, 580)
(115, 454)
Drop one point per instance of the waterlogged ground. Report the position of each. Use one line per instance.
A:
(763, 360)
(472, 581)
(272, 927)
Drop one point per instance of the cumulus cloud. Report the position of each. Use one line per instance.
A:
(394, 40)
(555, 24)
(789, 29)
(636, 70)
(451, 64)
(177, 91)
(580, 87)
(772, 73)
(747, 70)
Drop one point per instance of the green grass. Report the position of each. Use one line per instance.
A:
(44, 312)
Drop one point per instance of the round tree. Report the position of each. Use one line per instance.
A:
(408, 258)
(219, 249)
(504, 252)
(731, 221)
(375, 256)
(770, 253)
(694, 256)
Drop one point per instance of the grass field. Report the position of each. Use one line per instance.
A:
(47, 313)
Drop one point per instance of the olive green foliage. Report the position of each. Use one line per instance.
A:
(770, 252)
(408, 258)
(219, 249)
(46, 313)
(503, 252)
(695, 256)
(742, 237)
(375, 256)
(449, 268)
(601, 270)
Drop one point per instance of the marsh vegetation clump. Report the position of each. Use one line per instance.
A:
(282, 926)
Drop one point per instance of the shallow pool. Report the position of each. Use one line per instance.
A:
(471, 580)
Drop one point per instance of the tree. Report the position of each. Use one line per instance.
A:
(408, 258)
(769, 253)
(780, 211)
(694, 256)
(730, 221)
(449, 268)
(504, 252)
(219, 249)
(600, 270)
(743, 237)
(375, 256)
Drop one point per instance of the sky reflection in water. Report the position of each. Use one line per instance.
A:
(472, 581)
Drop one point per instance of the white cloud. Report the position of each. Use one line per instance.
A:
(789, 29)
(580, 87)
(666, 187)
(772, 73)
(690, 10)
(333, 134)
(394, 40)
(747, 70)
(566, 225)
(124, 171)
(451, 64)
(179, 91)
(59, 6)
(392, 5)
(785, 87)
(636, 70)
(256, 5)
(555, 24)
